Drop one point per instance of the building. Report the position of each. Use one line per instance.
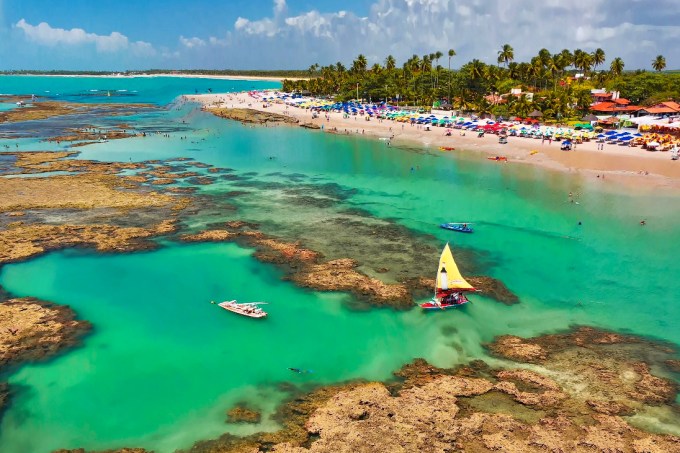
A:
(668, 108)
(615, 107)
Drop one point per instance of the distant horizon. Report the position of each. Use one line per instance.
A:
(288, 34)
(204, 70)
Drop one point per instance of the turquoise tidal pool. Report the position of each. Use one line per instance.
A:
(163, 365)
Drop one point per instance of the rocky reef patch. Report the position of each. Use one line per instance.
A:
(479, 408)
(32, 330)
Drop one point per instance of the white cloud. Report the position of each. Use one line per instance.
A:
(265, 27)
(46, 35)
(191, 42)
(475, 29)
(279, 6)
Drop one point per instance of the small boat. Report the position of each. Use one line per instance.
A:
(450, 286)
(457, 226)
(498, 158)
(249, 309)
(447, 148)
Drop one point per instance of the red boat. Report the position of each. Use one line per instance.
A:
(249, 309)
(450, 286)
(498, 158)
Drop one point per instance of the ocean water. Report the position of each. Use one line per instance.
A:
(153, 90)
(163, 365)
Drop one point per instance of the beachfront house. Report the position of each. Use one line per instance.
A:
(662, 109)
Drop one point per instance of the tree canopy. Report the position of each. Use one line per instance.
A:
(558, 84)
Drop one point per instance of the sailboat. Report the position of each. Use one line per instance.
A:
(450, 286)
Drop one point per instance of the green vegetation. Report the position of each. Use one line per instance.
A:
(559, 83)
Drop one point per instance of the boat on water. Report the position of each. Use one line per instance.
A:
(457, 226)
(450, 286)
(249, 309)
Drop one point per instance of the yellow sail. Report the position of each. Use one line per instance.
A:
(451, 278)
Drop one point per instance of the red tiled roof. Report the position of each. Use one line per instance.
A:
(614, 107)
(603, 106)
(657, 110)
(622, 101)
(602, 95)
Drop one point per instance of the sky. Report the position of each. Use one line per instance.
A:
(117, 35)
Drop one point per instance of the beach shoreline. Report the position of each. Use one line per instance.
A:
(185, 76)
(632, 167)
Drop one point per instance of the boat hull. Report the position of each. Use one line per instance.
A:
(458, 228)
(433, 306)
(239, 309)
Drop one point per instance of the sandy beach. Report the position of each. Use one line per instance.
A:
(631, 166)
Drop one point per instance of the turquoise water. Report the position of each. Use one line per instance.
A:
(155, 90)
(163, 365)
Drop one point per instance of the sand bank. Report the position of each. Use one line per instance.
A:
(631, 166)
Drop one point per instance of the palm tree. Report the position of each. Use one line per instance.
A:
(567, 58)
(535, 70)
(359, 65)
(616, 66)
(659, 63)
(414, 66)
(513, 71)
(506, 54)
(598, 57)
(583, 99)
(437, 56)
(476, 69)
(583, 60)
(452, 53)
(390, 63)
(482, 107)
(340, 68)
(522, 106)
(544, 56)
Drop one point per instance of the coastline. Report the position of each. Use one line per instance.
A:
(629, 166)
(186, 76)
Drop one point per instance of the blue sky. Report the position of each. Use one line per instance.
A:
(281, 34)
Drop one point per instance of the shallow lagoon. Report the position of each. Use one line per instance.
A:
(163, 365)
